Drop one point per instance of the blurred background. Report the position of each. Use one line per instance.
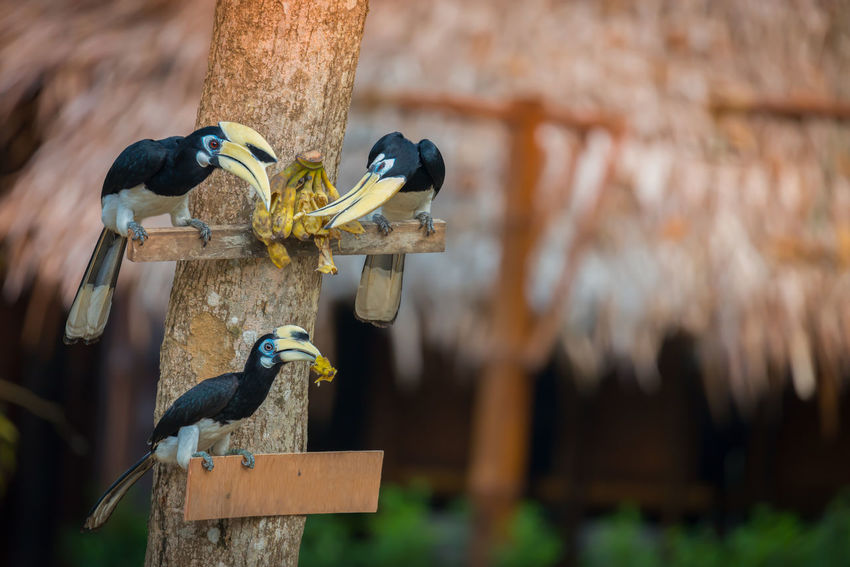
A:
(633, 352)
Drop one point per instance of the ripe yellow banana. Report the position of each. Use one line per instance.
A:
(333, 194)
(290, 193)
(278, 254)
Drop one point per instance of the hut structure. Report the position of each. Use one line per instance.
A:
(688, 289)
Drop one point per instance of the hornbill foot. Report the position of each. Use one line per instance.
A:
(202, 227)
(139, 232)
(247, 457)
(208, 462)
(384, 225)
(426, 222)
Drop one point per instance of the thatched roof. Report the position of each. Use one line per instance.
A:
(732, 227)
(84, 79)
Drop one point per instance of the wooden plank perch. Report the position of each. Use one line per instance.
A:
(284, 484)
(238, 241)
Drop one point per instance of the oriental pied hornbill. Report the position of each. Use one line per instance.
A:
(203, 418)
(402, 179)
(154, 177)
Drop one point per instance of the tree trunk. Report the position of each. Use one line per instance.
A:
(287, 70)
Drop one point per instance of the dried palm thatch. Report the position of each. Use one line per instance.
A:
(731, 226)
(79, 80)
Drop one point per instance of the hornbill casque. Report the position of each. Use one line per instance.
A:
(202, 419)
(402, 179)
(154, 177)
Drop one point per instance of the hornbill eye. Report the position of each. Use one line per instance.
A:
(268, 347)
(381, 167)
(215, 144)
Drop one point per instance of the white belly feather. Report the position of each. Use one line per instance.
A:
(406, 205)
(210, 433)
(136, 204)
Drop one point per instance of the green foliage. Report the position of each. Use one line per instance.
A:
(121, 541)
(406, 531)
(621, 539)
(399, 534)
(532, 541)
(769, 538)
(8, 444)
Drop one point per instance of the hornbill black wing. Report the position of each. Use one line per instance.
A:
(206, 399)
(137, 163)
(432, 161)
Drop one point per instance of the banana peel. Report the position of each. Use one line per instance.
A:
(303, 186)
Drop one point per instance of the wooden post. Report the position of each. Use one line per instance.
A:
(287, 70)
(502, 413)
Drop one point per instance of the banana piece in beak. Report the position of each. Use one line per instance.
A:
(371, 192)
(293, 343)
(239, 161)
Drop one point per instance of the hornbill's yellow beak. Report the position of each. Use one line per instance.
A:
(246, 154)
(293, 343)
(371, 192)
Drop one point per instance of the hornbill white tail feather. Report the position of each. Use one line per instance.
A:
(91, 306)
(379, 293)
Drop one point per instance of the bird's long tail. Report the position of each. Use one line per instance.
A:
(105, 506)
(379, 293)
(91, 306)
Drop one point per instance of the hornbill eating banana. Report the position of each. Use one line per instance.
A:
(154, 177)
(403, 177)
(203, 418)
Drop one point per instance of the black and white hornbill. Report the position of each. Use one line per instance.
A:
(154, 177)
(402, 179)
(202, 419)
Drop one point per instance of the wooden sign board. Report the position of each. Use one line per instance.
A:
(238, 241)
(284, 484)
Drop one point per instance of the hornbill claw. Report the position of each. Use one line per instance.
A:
(384, 225)
(208, 462)
(139, 232)
(426, 222)
(202, 227)
(247, 457)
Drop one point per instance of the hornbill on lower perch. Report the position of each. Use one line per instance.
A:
(203, 418)
(402, 179)
(154, 177)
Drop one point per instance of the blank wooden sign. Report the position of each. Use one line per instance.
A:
(284, 483)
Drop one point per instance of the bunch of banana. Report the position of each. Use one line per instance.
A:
(300, 188)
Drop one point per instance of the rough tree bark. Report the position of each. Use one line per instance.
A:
(287, 70)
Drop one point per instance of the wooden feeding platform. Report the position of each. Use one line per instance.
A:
(283, 483)
(230, 242)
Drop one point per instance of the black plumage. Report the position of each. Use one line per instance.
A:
(207, 399)
(167, 167)
(420, 164)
